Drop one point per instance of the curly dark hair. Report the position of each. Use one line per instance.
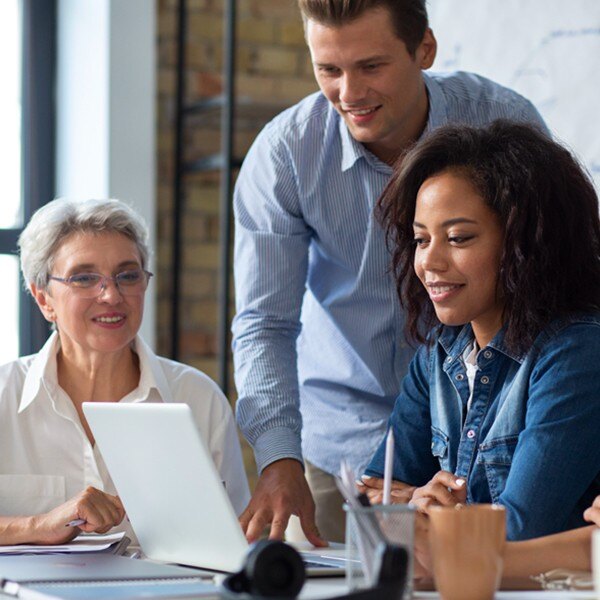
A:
(550, 263)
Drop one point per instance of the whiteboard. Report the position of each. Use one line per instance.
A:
(547, 50)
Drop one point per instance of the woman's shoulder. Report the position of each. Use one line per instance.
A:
(575, 336)
(12, 377)
(192, 386)
(577, 327)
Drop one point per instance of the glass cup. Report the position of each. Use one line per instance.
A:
(366, 528)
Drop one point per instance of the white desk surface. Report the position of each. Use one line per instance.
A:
(324, 588)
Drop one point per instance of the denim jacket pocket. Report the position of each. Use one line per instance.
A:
(439, 447)
(496, 457)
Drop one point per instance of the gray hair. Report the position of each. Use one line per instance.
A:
(52, 224)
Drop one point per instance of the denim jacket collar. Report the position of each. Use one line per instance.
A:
(454, 340)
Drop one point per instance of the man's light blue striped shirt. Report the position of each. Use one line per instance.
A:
(318, 345)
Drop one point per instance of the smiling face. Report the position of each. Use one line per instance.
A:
(104, 324)
(366, 72)
(457, 258)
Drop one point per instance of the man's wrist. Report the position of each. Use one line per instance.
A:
(277, 444)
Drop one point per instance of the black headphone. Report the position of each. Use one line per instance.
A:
(275, 570)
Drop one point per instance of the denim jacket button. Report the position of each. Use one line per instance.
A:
(459, 377)
(449, 359)
(488, 354)
(485, 379)
(470, 434)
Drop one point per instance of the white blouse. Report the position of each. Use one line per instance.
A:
(45, 455)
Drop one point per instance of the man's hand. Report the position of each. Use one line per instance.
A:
(373, 487)
(592, 514)
(281, 491)
(99, 510)
(445, 489)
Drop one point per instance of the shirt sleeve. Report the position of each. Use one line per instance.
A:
(414, 462)
(530, 114)
(270, 268)
(557, 457)
(227, 456)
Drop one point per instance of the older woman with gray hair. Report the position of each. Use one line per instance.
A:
(85, 264)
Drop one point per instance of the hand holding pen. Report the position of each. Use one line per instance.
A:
(386, 490)
(91, 511)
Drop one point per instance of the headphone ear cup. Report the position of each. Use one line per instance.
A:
(274, 569)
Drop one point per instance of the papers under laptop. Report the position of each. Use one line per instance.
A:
(171, 489)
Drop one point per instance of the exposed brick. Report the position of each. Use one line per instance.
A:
(199, 285)
(291, 33)
(274, 9)
(207, 366)
(197, 343)
(204, 26)
(260, 31)
(166, 81)
(201, 256)
(255, 87)
(276, 61)
(204, 314)
(203, 199)
(295, 88)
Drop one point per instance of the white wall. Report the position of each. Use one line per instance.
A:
(106, 109)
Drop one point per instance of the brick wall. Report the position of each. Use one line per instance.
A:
(273, 71)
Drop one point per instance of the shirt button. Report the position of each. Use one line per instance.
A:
(449, 359)
(459, 377)
(485, 379)
(488, 354)
(470, 434)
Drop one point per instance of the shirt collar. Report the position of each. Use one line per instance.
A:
(43, 370)
(438, 107)
(151, 374)
(455, 340)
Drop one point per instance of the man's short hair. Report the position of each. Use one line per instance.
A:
(409, 17)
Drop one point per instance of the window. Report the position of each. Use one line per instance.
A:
(11, 216)
(27, 47)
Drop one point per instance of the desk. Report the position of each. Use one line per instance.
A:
(324, 588)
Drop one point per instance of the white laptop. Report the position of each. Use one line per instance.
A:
(171, 489)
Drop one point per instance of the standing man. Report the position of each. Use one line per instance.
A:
(318, 347)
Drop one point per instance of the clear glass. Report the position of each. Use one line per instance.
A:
(10, 113)
(367, 527)
(9, 307)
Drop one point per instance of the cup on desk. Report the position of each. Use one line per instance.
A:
(366, 528)
(467, 547)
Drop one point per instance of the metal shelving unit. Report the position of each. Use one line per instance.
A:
(225, 162)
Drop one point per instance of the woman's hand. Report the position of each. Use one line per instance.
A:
(445, 489)
(99, 510)
(373, 487)
(422, 554)
(592, 514)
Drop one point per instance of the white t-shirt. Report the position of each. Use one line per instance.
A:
(45, 455)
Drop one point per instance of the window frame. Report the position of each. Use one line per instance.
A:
(38, 136)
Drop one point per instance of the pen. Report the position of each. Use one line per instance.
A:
(388, 467)
(76, 523)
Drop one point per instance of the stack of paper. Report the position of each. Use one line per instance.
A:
(86, 542)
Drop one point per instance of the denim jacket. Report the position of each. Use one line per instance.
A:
(531, 438)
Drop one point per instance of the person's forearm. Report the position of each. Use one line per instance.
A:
(566, 550)
(17, 530)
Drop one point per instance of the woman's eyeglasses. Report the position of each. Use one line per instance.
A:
(91, 285)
